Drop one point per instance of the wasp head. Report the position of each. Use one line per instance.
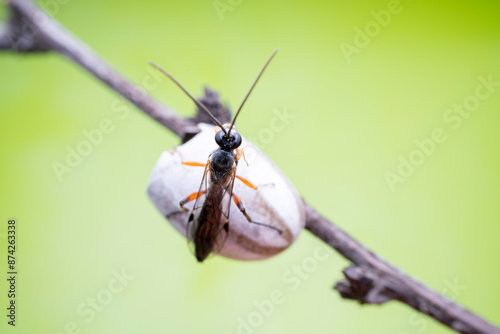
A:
(228, 141)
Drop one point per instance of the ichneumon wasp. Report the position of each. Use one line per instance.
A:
(208, 224)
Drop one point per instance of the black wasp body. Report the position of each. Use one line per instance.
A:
(211, 226)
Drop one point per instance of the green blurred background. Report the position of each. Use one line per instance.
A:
(354, 117)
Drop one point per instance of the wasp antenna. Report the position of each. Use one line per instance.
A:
(251, 88)
(199, 104)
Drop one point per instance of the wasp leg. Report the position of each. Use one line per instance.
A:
(174, 213)
(190, 198)
(193, 164)
(247, 183)
(188, 163)
(240, 206)
(251, 185)
(198, 194)
(240, 153)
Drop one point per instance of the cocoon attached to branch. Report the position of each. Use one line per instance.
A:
(275, 202)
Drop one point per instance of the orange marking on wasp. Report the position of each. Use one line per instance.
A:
(240, 206)
(241, 153)
(193, 164)
(190, 198)
(242, 179)
(247, 183)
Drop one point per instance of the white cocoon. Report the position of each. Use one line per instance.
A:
(278, 204)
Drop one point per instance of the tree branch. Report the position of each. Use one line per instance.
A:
(29, 29)
(369, 279)
(372, 280)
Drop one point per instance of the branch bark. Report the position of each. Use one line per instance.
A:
(30, 29)
(369, 279)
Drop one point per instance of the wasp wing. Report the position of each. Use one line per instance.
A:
(193, 223)
(208, 224)
(225, 206)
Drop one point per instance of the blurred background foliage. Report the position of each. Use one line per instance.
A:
(354, 116)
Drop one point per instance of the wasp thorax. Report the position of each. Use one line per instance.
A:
(228, 141)
(222, 161)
